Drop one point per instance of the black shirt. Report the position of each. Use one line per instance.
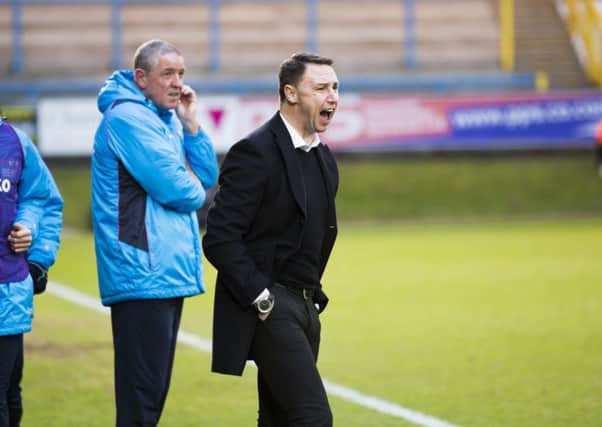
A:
(302, 269)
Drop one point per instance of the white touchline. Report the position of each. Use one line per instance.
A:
(340, 391)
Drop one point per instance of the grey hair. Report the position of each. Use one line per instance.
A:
(148, 53)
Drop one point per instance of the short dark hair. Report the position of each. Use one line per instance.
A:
(293, 68)
(148, 53)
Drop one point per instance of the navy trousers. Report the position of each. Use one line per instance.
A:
(285, 349)
(144, 340)
(11, 372)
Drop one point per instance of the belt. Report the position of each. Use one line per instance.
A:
(302, 292)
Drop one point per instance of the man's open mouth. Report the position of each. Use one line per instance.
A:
(327, 113)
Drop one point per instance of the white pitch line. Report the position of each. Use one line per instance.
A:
(204, 345)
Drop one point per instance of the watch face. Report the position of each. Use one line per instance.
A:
(265, 305)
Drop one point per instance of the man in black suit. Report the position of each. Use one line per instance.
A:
(270, 231)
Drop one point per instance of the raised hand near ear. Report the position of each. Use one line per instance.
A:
(187, 110)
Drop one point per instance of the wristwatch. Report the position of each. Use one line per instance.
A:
(265, 305)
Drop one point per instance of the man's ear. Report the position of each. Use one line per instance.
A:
(290, 92)
(140, 78)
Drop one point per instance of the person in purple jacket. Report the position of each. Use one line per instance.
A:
(30, 227)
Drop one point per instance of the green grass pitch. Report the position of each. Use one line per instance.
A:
(494, 323)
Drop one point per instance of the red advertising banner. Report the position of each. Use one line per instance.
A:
(401, 122)
(372, 123)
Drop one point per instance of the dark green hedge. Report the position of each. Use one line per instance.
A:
(559, 184)
(17, 114)
(397, 188)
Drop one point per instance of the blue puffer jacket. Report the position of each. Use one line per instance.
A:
(144, 202)
(40, 208)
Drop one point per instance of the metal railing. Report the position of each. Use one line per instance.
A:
(507, 42)
(585, 25)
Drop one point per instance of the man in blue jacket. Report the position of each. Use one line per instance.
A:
(30, 227)
(151, 166)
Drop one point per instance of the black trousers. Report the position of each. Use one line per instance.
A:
(144, 340)
(285, 349)
(11, 372)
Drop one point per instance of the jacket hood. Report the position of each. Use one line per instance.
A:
(119, 87)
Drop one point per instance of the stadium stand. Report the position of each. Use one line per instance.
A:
(543, 44)
(5, 40)
(247, 39)
(186, 25)
(461, 35)
(65, 40)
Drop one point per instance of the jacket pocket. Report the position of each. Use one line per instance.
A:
(134, 260)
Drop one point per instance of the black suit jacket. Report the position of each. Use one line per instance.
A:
(254, 225)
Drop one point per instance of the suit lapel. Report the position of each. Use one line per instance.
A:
(291, 164)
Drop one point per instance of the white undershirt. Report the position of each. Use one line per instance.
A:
(298, 141)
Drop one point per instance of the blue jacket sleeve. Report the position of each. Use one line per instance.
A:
(40, 205)
(151, 156)
(201, 157)
(44, 248)
(32, 192)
